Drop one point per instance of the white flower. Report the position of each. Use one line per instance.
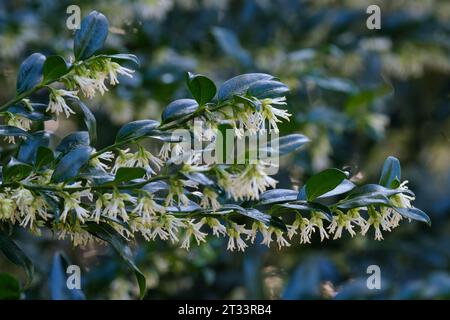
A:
(113, 69)
(115, 204)
(6, 207)
(209, 200)
(177, 190)
(72, 202)
(235, 241)
(218, 229)
(250, 183)
(281, 241)
(19, 122)
(378, 221)
(193, 229)
(171, 225)
(272, 114)
(29, 206)
(301, 224)
(147, 207)
(105, 156)
(87, 85)
(57, 104)
(164, 153)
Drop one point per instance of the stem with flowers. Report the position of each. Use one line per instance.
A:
(117, 194)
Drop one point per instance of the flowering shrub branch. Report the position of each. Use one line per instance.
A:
(123, 190)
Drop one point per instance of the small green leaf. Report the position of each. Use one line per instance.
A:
(178, 110)
(54, 68)
(91, 35)
(323, 182)
(16, 255)
(9, 287)
(136, 130)
(30, 72)
(16, 170)
(391, 172)
(70, 165)
(107, 233)
(202, 88)
(121, 57)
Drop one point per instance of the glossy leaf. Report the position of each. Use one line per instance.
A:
(91, 35)
(414, 214)
(179, 109)
(277, 196)
(73, 140)
(69, 166)
(28, 148)
(30, 72)
(267, 89)
(11, 131)
(323, 182)
(136, 129)
(16, 170)
(89, 119)
(38, 113)
(202, 88)
(391, 172)
(240, 84)
(127, 174)
(54, 68)
(44, 157)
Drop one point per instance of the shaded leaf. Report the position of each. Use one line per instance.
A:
(30, 72)
(91, 35)
(323, 182)
(202, 88)
(136, 129)
(69, 166)
(178, 109)
(54, 68)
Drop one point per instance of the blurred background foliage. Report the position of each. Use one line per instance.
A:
(359, 94)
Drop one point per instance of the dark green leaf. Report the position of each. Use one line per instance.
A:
(89, 119)
(344, 187)
(110, 235)
(249, 101)
(277, 196)
(136, 129)
(178, 110)
(121, 57)
(308, 207)
(414, 214)
(391, 172)
(365, 200)
(91, 35)
(202, 88)
(54, 68)
(28, 148)
(16, 170)
(323, 182)
(11, 131)
(38, 113)
(267, 89)
(44, 157)
(16, 255)
(69, 166)
(73, 140)
(369, 190)
(9, 287)
(127, 174)
(240, 84)
(30, 72)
